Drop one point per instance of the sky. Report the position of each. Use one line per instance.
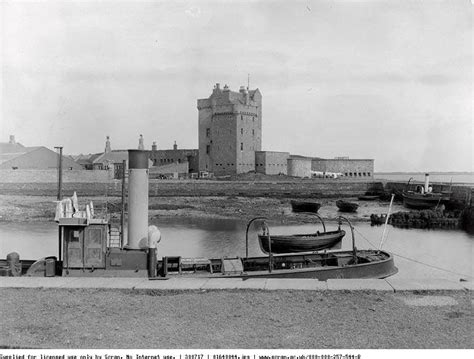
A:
(388, 80)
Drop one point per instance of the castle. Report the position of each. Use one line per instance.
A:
(230, 141)
(230, 130)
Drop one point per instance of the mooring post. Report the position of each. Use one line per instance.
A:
(59, 197)
(60, 172)
(122, 215)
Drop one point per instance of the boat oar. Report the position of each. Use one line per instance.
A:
(386, 222)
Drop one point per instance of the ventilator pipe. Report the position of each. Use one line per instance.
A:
(137, 198)
(154, 237)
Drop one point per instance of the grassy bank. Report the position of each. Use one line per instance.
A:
(234, 319)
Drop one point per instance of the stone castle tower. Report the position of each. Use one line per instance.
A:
(230, 130)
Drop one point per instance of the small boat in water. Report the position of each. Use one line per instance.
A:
(367, 197)
(301, 242)
(305, 206)
(423, 197)
(316, 265)
(345, 206)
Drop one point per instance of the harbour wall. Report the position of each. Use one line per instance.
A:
(101, 183)
(173, 188)
(51, 176)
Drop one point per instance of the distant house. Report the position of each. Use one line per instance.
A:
(103, 161)
(14, 156)
(175, 156)
(110, 160)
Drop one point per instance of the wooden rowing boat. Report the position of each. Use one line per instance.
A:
(305, 206)
(367, 197)
(345, 206)
(301, 242)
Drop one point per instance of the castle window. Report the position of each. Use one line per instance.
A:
(208, 132)
(241, 131)
(208, 149)
(241, 146)
(253, 132)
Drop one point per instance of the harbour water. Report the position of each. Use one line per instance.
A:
(418, 253)
(439, 177)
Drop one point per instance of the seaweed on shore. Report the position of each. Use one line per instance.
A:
(420, 219)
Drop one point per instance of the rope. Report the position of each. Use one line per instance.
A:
(364, 237)
(418, 262)
(432, 266)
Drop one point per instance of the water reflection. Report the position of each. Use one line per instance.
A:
(189, 237)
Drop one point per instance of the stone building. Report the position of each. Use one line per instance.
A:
(271, 162)
(230, 130)
(176, 156)
(350, 168)
(14, 156)
(299, 166)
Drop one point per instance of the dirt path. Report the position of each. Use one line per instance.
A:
(60, 318)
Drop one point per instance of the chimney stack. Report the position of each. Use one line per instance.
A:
(137, 198)
(107, 145)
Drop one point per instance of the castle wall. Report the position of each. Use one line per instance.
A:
(299, 167)
(271, 163)
(356, 168)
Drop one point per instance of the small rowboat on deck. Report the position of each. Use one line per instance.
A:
(301, 242)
